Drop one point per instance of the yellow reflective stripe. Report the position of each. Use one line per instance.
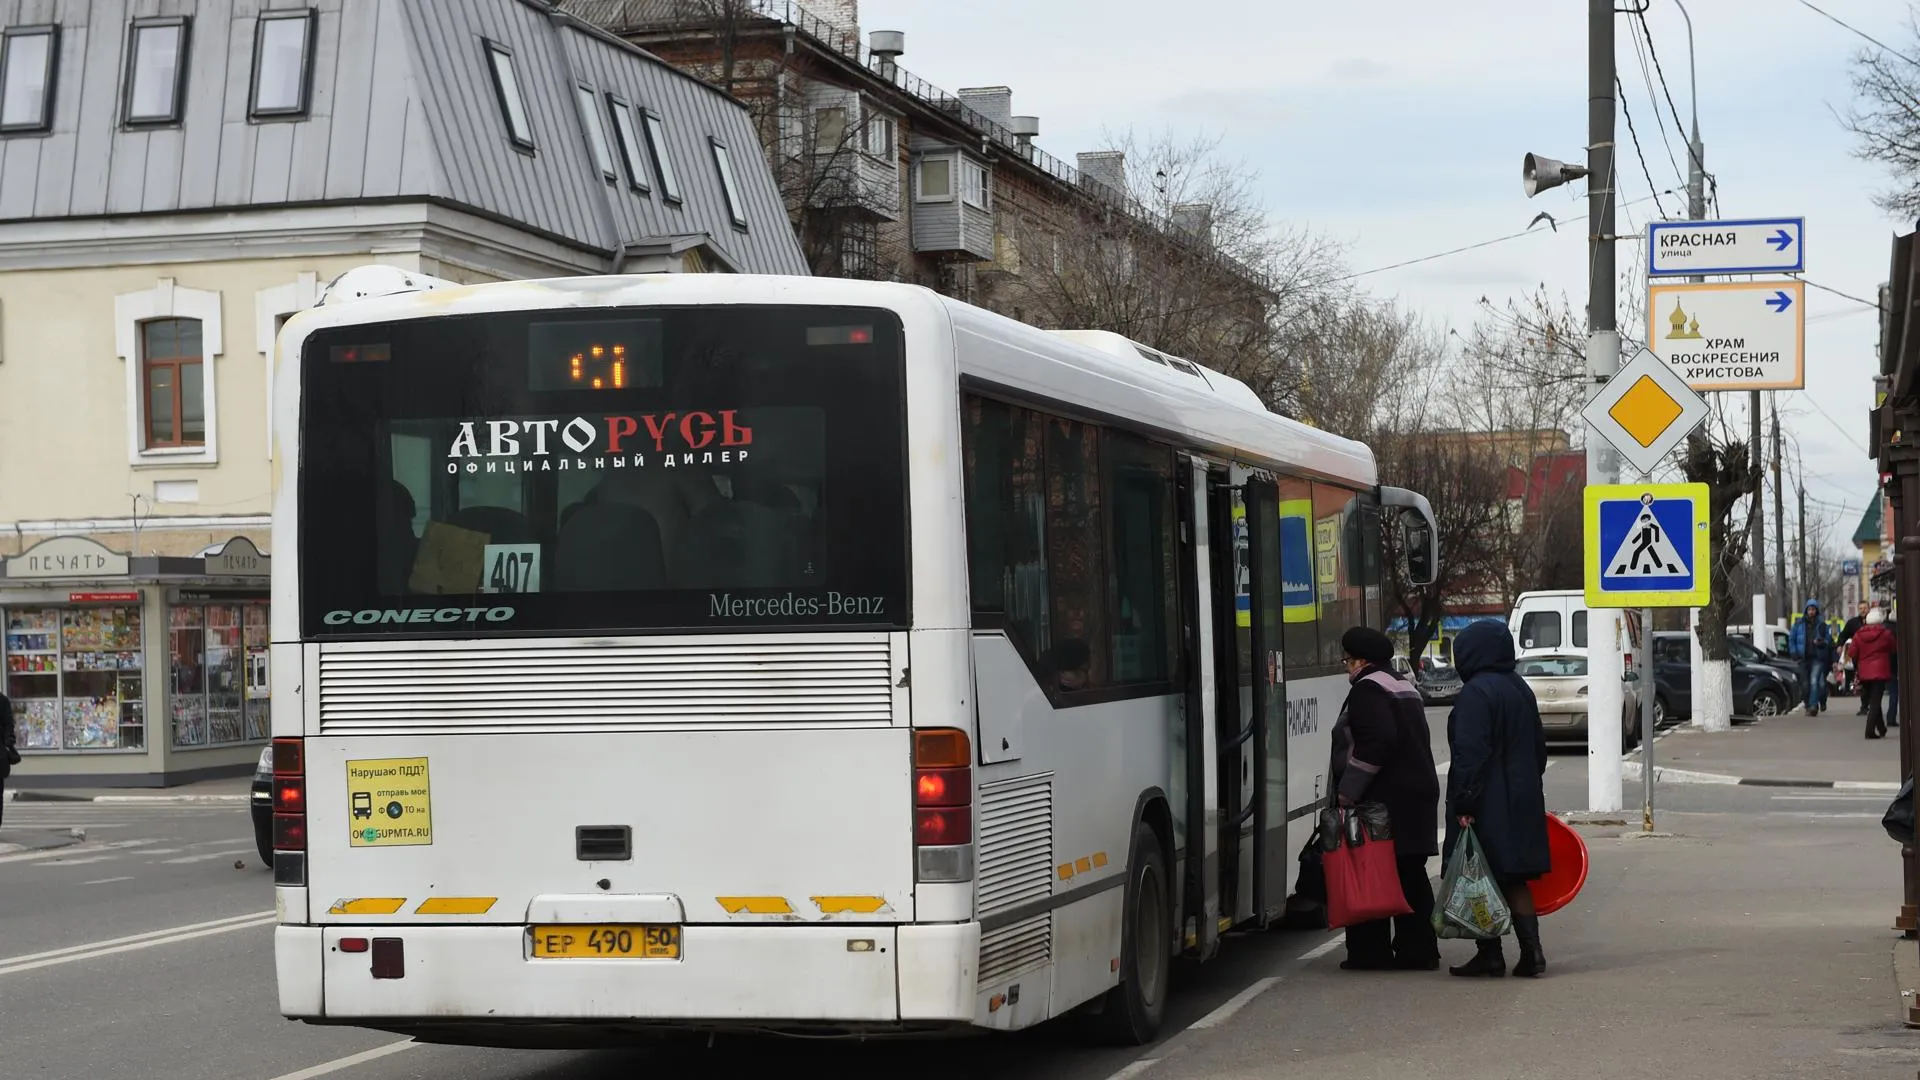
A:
(368, 905)
(849, 905)
(456, 905)
(754, 905)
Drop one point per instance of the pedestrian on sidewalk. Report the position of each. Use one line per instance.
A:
(9, 749)
(1843, 641)
(1874, 650)
(1383, 752)
(1496, 784)
(1812, 645)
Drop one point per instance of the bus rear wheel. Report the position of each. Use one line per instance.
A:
(1132, 1011)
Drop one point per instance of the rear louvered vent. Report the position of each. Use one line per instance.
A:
(1016, 842)
(1015, 949)
(448, 688)
(603, 843)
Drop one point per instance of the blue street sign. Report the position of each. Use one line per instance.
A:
(1746, 246)
(1647, 545)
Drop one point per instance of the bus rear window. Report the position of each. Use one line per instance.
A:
(604, 471)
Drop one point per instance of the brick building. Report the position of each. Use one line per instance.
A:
(888, 177)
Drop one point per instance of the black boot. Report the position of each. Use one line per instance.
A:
(1533, 959)
(1487, 961)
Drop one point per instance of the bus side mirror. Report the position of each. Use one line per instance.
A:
(1419, 535)
(1418, 542)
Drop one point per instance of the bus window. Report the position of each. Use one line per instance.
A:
(1006, 518)
(1336, 577)
(1076, 550)
(1142, 604)
(1299, 599)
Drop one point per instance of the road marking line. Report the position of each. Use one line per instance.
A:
(1829, 817)
(1127, 1073)
(1322, 949)
(76, 849)
(231, 922)
(379, 1052)
(14, 969)
(1234, 1004)
(78, 862)
(108, 880)
(1803, 797)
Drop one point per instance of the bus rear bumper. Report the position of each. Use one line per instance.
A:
(772, 975)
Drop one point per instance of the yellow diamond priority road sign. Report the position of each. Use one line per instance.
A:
(1645, 410)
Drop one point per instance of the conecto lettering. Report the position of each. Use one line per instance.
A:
(416, 616)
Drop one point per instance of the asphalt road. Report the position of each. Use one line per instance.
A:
(1752, 943)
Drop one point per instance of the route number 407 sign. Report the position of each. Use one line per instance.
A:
(1646, 546)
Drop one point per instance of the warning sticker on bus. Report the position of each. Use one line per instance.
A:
(389, 802)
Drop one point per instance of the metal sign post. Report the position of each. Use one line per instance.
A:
(1647, 694)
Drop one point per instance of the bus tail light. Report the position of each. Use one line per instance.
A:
(289, 812)
(942, 805)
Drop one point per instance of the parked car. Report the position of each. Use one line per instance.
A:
(261, 806)
(1759, 689)
(1438, 683)
(1559, 684)
(1741, 647)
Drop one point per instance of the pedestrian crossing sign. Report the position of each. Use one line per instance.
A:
(1647, 546)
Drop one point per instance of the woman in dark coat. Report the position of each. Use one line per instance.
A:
(1495, 784)
(1874, 650)
(1383, 752)
(9, 755)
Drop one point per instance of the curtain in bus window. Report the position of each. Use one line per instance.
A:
(1301, 606)
(1142, 603)
(1077, 658)
(1006, 518)
(1334, 579)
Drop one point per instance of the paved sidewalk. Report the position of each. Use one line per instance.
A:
(233, 789)
(1828, 750)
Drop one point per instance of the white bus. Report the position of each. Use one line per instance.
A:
(711, 652)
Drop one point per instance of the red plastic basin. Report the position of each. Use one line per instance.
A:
(1561, 884)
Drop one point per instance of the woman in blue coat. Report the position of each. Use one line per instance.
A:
(1495, 784)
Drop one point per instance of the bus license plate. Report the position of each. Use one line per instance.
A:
(607, 942)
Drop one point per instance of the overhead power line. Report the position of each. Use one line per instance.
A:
(1852, 29)
(1634, 134)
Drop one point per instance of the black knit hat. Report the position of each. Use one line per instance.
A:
(1366, 643)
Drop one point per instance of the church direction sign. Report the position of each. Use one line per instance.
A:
(66, 557)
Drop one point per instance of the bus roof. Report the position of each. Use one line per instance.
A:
(1102, 373)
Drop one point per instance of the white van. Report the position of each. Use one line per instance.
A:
(1775, 640)
(1554, 623)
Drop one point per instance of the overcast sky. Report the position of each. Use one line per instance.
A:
(1397, 126)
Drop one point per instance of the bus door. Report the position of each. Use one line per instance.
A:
(1268, 726)
(1200, 490)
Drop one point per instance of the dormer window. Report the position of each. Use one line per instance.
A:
(156, 71)
(27, 55)
(282, 63)
(506, 86)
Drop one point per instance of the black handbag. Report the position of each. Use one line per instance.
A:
(1899, 817)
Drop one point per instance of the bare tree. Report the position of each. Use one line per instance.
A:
(1355, 366)
(1886, 119)
(1183, 258)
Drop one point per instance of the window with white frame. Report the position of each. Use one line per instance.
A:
(596, 131)
(506, 86)
(168, 339)
(933, 180)
(975, 186)
(829, 129)
(628, 132)
(722, 160)
(282, 63)
(156, 71)
(28, 56)
(876, 131)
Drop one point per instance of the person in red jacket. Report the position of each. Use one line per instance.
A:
(1873, 651)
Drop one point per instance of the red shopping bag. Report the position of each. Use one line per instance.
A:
(1363, 879)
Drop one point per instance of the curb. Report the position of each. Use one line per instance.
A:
(56, 797)
(1631, 771)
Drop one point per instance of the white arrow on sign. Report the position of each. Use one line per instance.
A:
(1749, 246)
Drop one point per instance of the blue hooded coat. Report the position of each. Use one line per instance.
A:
(1499, 756)
(1811, 638)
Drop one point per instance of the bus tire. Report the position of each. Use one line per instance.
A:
(1132, 1011)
